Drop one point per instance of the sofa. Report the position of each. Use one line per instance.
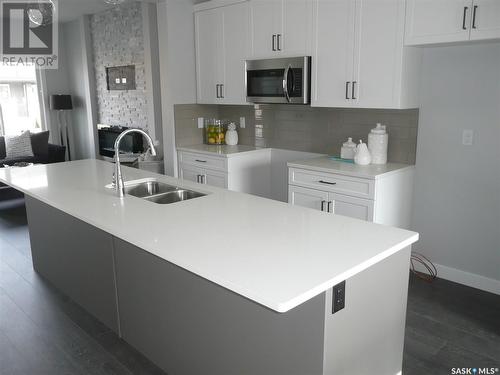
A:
(43, 151)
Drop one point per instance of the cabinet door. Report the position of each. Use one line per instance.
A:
(296, 39)
(204, 176)
(216, 179)
(443, 21)
(485, 20)
(378, 53)
(208, 25)
(309, 198)
(333, 28)
(266, 22)
(236, 51)
(190, 174)
(353, 207)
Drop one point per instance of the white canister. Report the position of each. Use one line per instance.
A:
(348, 150)
(378, 141)
(231, 135)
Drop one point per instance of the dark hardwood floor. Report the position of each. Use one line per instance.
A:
(43, 332)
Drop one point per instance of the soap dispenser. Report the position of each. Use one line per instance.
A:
(363, 156)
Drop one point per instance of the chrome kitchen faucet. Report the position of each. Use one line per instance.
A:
(117, 176)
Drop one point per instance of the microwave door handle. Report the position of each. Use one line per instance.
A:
(285, 83)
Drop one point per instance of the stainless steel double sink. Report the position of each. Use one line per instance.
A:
(158, 192)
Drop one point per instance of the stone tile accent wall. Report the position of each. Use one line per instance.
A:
(118, 39)
(302, 128)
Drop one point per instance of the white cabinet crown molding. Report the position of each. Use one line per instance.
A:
(216, 4)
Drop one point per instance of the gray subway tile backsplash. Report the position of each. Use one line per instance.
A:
(302, 128)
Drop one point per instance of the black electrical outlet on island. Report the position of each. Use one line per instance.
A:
(338, 297)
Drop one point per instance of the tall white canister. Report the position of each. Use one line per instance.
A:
(378, 141)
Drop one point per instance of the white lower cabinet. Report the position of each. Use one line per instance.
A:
(385, 199)
(246, 172)
(204, 176)
(330, 202)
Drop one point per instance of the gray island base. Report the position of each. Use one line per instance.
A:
(188, 325)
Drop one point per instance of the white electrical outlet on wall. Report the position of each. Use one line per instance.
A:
(468, 137)
(201, 122)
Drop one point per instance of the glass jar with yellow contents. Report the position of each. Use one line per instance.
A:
(215, 132)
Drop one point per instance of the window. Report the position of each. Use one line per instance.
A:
(19, 104)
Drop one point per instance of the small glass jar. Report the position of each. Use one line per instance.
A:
(215, 132)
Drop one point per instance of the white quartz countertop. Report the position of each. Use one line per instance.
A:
(270, 252)
(223, 150)
(327, 165)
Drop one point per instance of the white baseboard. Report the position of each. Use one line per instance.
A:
(469, 279)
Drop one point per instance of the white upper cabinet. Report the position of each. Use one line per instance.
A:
(236, 50)
(209, 60)
(297, 27)
(222, 46)
(485, 20)
(266, 25)
(446, 21)
(359, 57)
(333, 59)
(280, 27)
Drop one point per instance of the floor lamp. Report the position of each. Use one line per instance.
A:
(62, 103)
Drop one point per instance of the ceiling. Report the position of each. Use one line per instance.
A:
(72, 9)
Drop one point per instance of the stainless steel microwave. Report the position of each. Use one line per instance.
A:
(281, 80)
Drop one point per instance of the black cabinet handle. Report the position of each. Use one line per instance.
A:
(347, 90)
(465, 16)
(330, 207)
(278, 42)
(274, 42)
(474, 17)
(201, 161)
(353, 90)
(323, 205)
(327, 183)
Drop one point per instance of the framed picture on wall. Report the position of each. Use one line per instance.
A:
(121, 77)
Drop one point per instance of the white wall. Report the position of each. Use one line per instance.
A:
(54, 82)
(457, 192)
(177, 68)
(82, 125)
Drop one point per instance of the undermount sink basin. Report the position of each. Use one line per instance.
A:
(147, 188)
(174, 196)
(158, 192)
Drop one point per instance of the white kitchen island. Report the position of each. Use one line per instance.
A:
(228, 283)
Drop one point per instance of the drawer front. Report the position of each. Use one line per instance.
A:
(331, 182)
(203, 161)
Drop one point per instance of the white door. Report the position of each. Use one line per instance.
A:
(310, 198)
(208, 25)
(297, 28)
(437, 21)
(266, 24)
(236, 51)
(349, 206)
(485, 20)
(378, 53)
(333, 39)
